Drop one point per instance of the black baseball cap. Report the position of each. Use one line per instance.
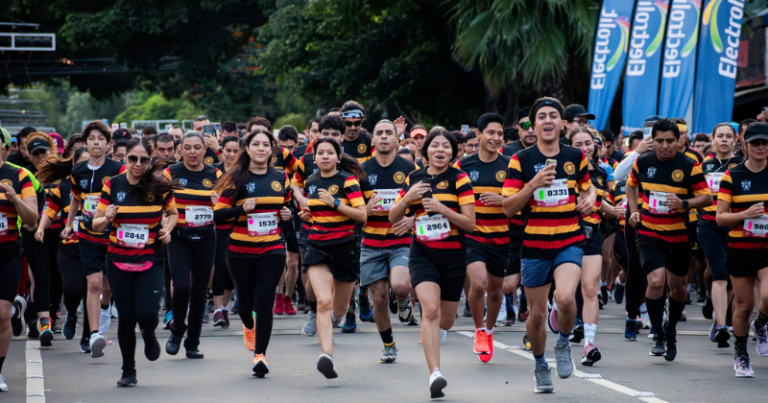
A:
(576, 110)
(38, 144)
(523, 113)
(756, 131)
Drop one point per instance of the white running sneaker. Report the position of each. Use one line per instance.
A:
(503, 311)
(98, 342)
(105, 319)
(437, 383)
(3, 385)
(443, 335)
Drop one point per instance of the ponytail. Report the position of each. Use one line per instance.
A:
(55, 168)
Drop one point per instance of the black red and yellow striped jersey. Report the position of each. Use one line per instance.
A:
(52, 190)
(743, 188)
(224, 227)
(619, 198)
(657, 180)
(258, 231)
(299, 151)
(57, 207)
(360, 148)
(453, 189)
(552, 223)
(285, 160)
(19, 180)
(714, 169)
(385, 182)
(329, 226)
(599, 179)
(491, 225)
(133, 237)
(86, 186)
(512, 148)
(305, 168)
(194, 197)
(694, 155)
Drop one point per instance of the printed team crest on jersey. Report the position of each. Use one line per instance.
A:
(276, 186)
(183, 182)
(83, 183)
(399, 177)
(150, 197)
(57, 182)
(104, 180)
(623, 189)
(600, 180)
(6, 182)
(314, 171)
(442, 185)
(121, 196)
(372, 178)
(677, 175)
(207, 183)
(362, 148)
(250, 187)
(569, 168)
(501, 176)
(651, 172)
(312, 190)
(208, 160)
(538, 167)
(731, 165)
(474, 176)
(333, 189)
(746, 185)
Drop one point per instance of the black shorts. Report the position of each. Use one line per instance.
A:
(675, 257)
(445, 268)
(93, 258)
(713, 243)
(10, 273)
(620, 249)
(746, 266)
(594, 245)
(514, 258)
(495, 257)
(291, 238)
(343, 259)
(607, 227)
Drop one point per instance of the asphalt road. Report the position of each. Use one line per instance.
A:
(701, 372)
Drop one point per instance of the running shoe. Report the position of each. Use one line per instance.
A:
(437, 383)
(301, 304)
(630, 329)
(510, 320)
(167, 319)
(3, 384)
(249, 338)
(554, 327)
(54, 327)
(327, 366)
(543, 378)
(502, 316)
(46, 334)
(565, 365)
(279, 308)
(392, 302)
(350, 323)
(173, 345)
(288, 305)
(707, 309)
(761, 338)
(467, 312)
(128, 380)
(404, 310)
(481, 342)
(209, 305)
(683, 317)
(85, 345)
(487, 357)
(151, 345)
(97, 344)
(591, 355)
(206, 316)
(604, 294)
(113, 311)
(218, 318)
(194, 353)
(260, 366)
(33, 333)
(226, 318)
(577, 334)
(741, 366)
(713, 330)
(618, 292)
(722, 337)
(310, 325)
(17, 320)
(105, 319)
(522, 315)
(443, 335)
(526, 342)
(646, 319)
(388, 354)
(658, 347)
(70, 327)
(235, 308)
(366, 311)
(671, 351)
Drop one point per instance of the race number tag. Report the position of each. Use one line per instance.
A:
(260, 224)
(3, 224)
(658, 203)
(435, 228)
(553, 195)
(713, 181)
(388, 197)
(198, 216)
(89, 208)
(132, 235)
(756, 227)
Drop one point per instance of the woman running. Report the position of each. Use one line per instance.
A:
(741, 205)
(255, 195)
(443, 201)
(192, 249)
(332, 256)
(134, 204)
(713, 237)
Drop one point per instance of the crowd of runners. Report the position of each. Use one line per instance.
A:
(541, 220)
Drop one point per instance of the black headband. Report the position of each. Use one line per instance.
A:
(542, 104)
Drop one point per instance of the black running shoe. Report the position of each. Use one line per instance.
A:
(707, 309)
(17, 321)
(151, 346)
(392, 303)
(366, 310)
(618, 293)
(85, 345)
(658, 347)
(173, 345)
(577, 335)
(604, 294)
(671, 351)
(128, 380)
(722, 336)
(350, 324)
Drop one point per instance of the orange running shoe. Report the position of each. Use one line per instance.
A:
(249, 338)
(487, 357)
(481, 342)
(260, 367)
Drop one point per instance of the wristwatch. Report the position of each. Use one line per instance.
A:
(685, 204)
(336, 203)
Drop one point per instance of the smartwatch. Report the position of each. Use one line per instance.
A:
(336, 203)
(685, 204)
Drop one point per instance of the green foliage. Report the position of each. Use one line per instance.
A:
(294, 119)
(150, 106)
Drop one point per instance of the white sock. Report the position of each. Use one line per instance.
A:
(589, 333)
(223, 307)
(603, 283)
(554, 306)
(490, 332)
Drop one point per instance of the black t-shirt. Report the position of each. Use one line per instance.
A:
(18, 160)
(510, 149)
(377, 232)
(359, 148)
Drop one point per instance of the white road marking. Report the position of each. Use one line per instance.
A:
(35, 381)
(594, 378)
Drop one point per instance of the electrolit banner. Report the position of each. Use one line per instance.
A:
(641, 81)
(610, 52)
(678, 68)
(718, 53)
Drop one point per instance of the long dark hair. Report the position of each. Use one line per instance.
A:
(238, 177)
(152, 181)
(434, 133)
(73, 140)
(346, 163)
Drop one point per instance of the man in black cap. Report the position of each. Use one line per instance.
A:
(524, 130)
(575, 116)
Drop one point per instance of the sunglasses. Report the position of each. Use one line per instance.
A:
(526, 125)
(132, 159)
(356, 123)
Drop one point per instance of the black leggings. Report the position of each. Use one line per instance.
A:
(137, 297)
(73, 284)
(167, 294)
(222, 280)
(39, 260)
(52, 239)
(255, 281)
(10, 273)
(191, 264)
(635, 280)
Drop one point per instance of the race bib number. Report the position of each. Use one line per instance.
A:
(198, 216)
(553, 195)
(89, 208)
(388, 197)
(261, 224)
(3, 224)
(659, 203)
(132, 236)
(435, 228)
(713, 181)
(756, 227)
